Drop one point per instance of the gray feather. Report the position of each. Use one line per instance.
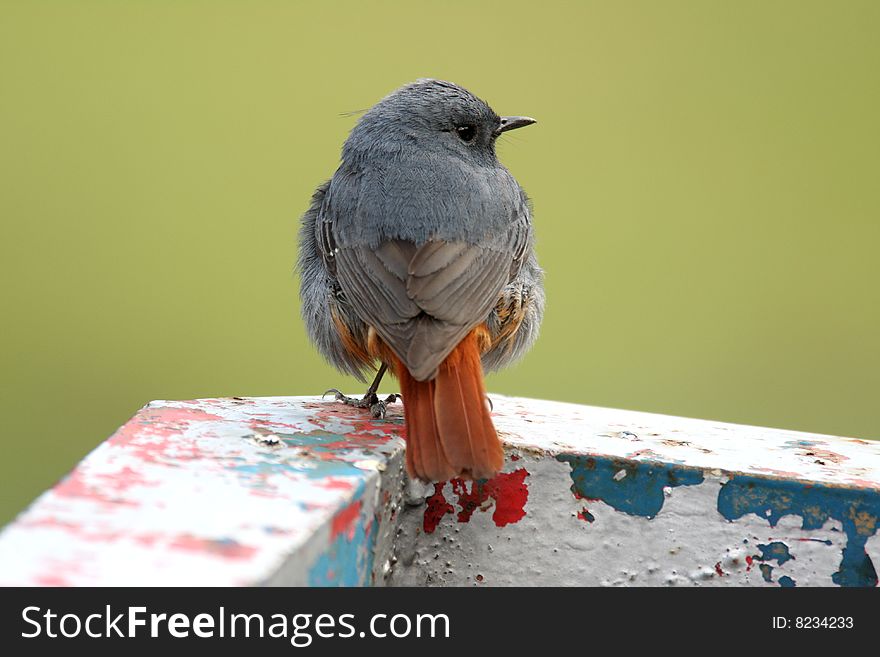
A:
(420, 235)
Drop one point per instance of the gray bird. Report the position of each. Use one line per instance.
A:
(418, 255)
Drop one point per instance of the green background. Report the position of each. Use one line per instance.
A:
(705, 178)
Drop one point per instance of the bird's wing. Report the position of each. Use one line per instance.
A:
(423, 300)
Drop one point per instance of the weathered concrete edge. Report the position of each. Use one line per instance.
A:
(464, 519)
(327, 561)
(215, 492)
(353, 542)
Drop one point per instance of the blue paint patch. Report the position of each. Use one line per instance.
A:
(775, 550)
(255, 474)
(639, 492)
(347, 562)
(269, 529)
(801, 443)
(856, 567)
(311, 439)
(857, 510)
(264, 468)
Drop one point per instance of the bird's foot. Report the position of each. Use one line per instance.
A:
(378, 407)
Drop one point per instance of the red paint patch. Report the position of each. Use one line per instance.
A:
(259, 425)
(511, 494)
(51, 580)
(92, 533)
(828, 455)
(95, 534)
(585, 515)
(508, 490)
(718, 570)
(749, 561)
(335, 483)
(785, 474)
(123, 479)
(147, 540)
(73, 485)
(102, 492)
(227, 548)
(154, 434)
(345, 521)
(436, 508)
(468, 501)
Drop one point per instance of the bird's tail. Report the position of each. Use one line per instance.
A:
(449, 431)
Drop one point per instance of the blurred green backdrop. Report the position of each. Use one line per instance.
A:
(705, 177)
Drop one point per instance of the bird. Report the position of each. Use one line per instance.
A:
(418, 256)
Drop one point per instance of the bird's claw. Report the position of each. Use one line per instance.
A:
(336, 393)
(378, 407)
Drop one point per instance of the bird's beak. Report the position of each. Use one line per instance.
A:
(513, 122)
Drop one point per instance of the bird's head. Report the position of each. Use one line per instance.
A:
(435, 117)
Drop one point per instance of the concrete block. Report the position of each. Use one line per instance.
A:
(299, 491)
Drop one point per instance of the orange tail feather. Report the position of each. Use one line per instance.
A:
(449, 431)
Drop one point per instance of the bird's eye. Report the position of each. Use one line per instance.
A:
(466, 133)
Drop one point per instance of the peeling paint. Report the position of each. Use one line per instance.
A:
(295, 491)
(348, 560)
(344, 522)
(639, 491)
(506, 493)
(183, 493)
(436, 508)
(772, 499)
(777, 551)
